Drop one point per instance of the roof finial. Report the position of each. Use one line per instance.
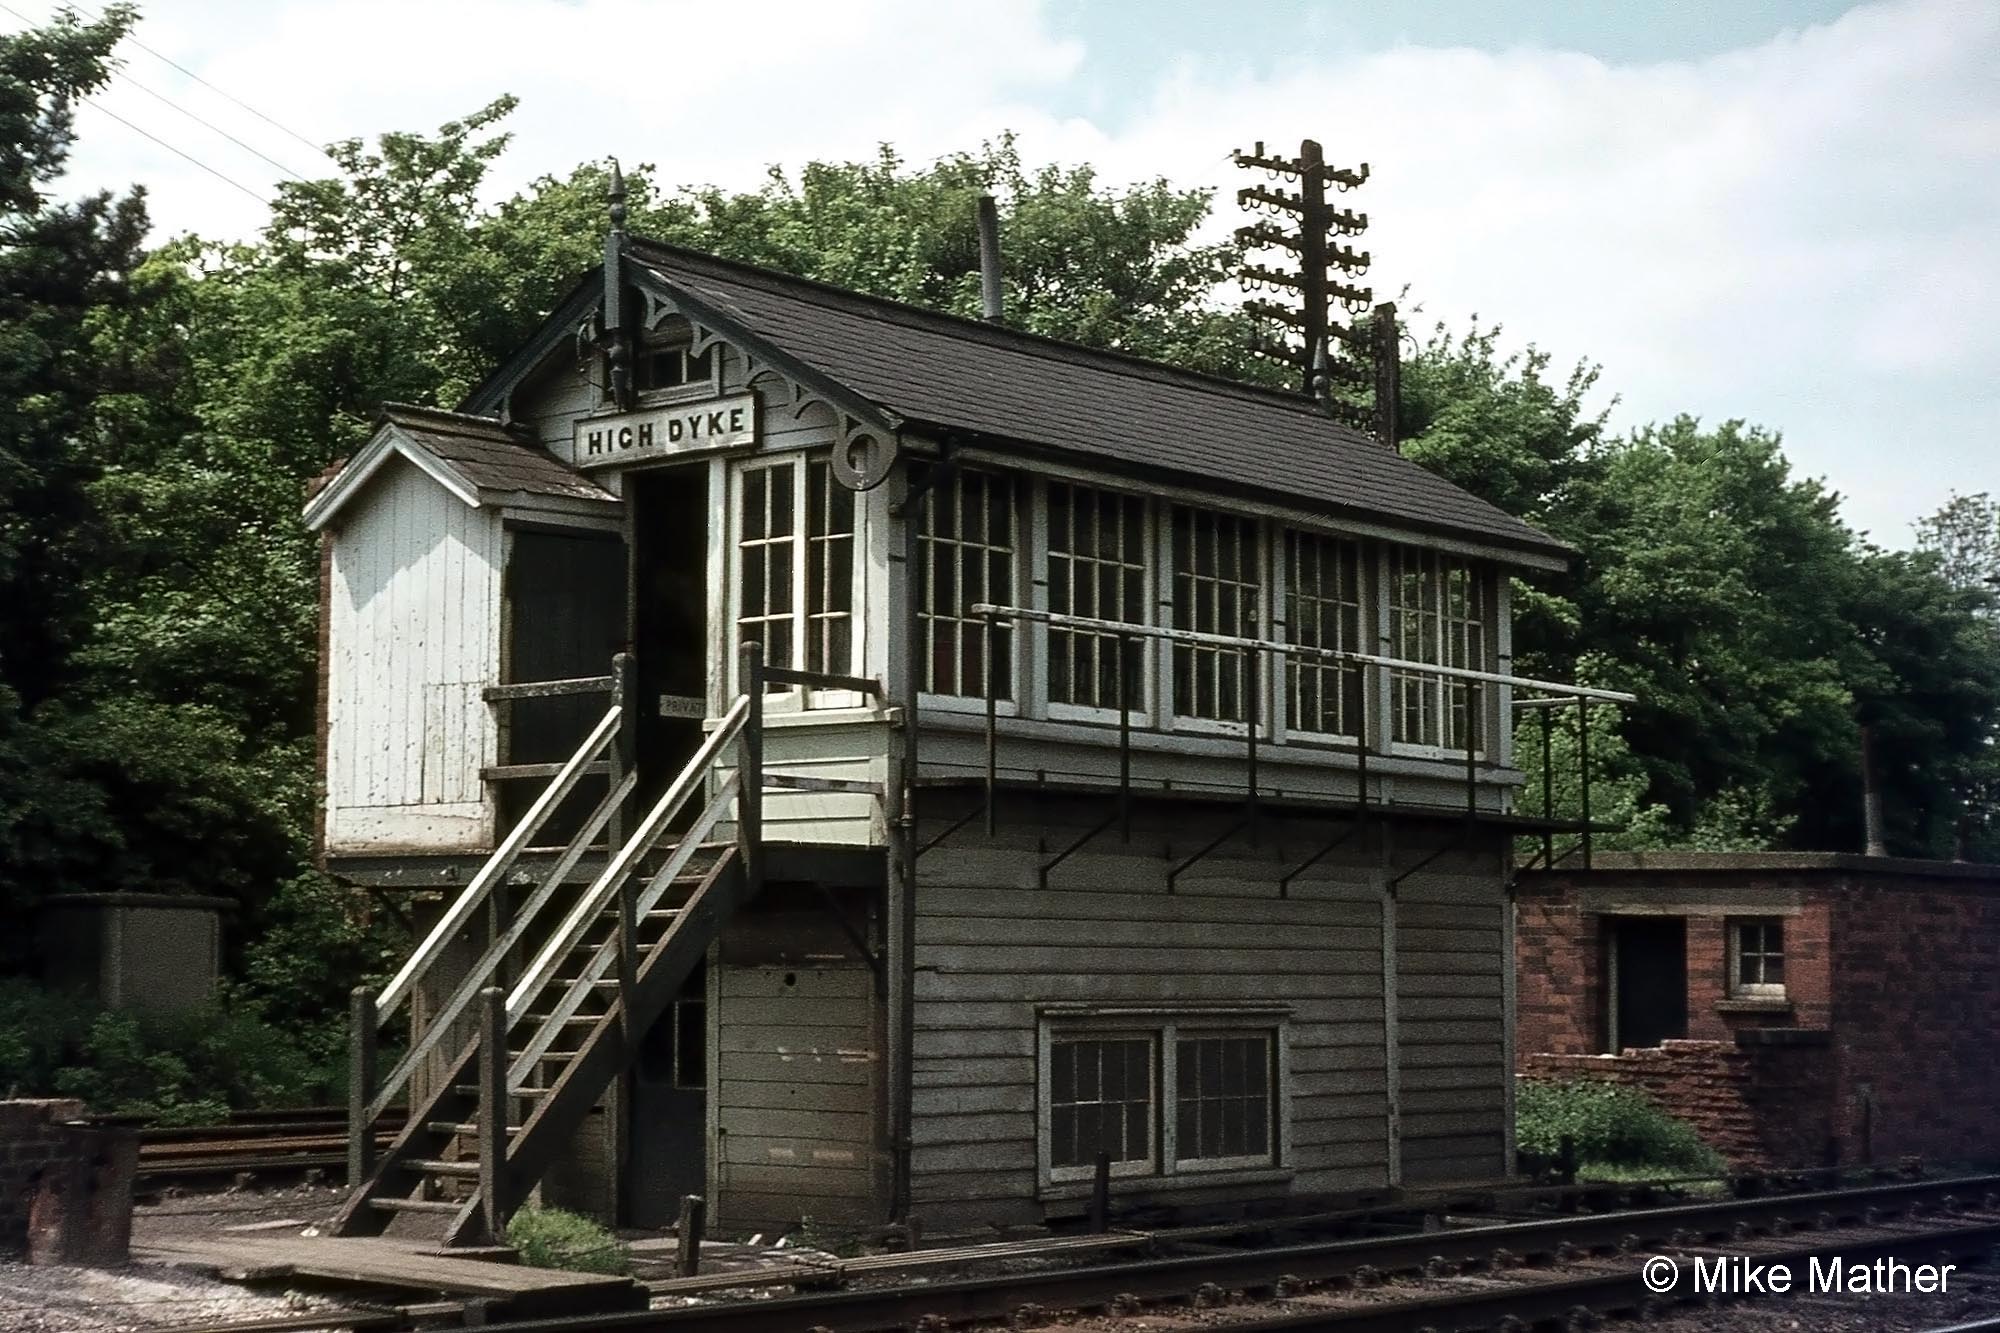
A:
(616, 196)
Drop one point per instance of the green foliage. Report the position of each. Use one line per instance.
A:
(553, 1238)
(188, 1069)
(1611, 1125)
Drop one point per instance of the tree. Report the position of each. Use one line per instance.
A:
(60, 264)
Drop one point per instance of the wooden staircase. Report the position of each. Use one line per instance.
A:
(603, 965)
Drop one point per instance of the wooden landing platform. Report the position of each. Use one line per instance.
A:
(514, 1291)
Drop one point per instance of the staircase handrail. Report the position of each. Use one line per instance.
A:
(484, 972)
(404, 983)
(606, 954)
(596, 900)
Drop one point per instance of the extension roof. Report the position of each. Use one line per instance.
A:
(945, 373)
(474, 457)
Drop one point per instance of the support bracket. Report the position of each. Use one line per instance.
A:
(1173, 876)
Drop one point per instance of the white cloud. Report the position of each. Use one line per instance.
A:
(1797, 232)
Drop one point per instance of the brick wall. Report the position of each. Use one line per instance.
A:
(1916, 1016)
(1559, 1002)
(31, 1142)
(1759, 1105)
(1892, 966)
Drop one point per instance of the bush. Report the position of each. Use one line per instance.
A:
(553, 1238)
(185, 1069)
(1612, 1125)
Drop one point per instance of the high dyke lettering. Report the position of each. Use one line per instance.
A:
(686, 428)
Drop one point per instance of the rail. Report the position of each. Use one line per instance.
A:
(1254, 653)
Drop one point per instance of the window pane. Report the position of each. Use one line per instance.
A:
(1094, 568)
(1217, 590)
(1437, 614)
(1100, 1100)
(1323, 610)
(966, 557)
(1222, 1102)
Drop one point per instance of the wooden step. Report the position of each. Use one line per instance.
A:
(454, 1127)
(393, 1204)
(464, 1169)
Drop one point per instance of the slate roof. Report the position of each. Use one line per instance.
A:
(944, 372)
(490, 456)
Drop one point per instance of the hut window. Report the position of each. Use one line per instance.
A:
(1323, 610)
(1757, 958)
(1438, 613)
(1096, 568)
(1101, 1101)
(1217, 587)
(1222, 1099)
(786, 601)
(966, 556)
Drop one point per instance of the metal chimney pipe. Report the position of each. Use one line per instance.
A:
(1871, 795)
(989, 259)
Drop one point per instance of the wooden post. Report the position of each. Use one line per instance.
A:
(360, 1085)
(1124, 739)
(1100, 1195)
(1253, 660)
(497, 912)
(750, 771)
(493, 1111)
(687, 1235)
(992, 727)
(625, 748)
(1473, 726)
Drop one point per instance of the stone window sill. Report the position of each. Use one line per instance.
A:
(1770, 1005)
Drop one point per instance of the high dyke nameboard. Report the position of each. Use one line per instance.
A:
(658, 432)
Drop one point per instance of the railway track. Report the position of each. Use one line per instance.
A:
(263, 1142)
(1571, 1269)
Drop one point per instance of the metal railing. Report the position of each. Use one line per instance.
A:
(1254, 653)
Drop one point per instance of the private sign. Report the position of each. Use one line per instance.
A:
(683, 428)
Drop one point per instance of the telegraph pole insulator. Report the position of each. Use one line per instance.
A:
(1357, 357)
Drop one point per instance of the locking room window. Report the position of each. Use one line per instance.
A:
(1170, 1095)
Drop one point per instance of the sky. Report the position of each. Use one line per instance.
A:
(1784, 211)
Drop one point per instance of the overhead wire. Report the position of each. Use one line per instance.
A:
(178, 152)
(198, 119)
(219, 92)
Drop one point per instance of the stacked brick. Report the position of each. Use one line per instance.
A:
(33, 1144)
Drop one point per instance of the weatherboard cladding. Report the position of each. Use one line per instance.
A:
(951, 374)
(490, 456)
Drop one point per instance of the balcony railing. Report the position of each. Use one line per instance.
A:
(1255, 655)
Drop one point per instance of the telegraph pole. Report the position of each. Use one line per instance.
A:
(1330, 353)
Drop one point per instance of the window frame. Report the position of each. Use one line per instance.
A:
(1144, 677)
(1286, 726)
(1738, 989)
(687, 391)
(802, 539)
(1024, 506)
(1482, 577)
(1167, 595)
(1166, 1027)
